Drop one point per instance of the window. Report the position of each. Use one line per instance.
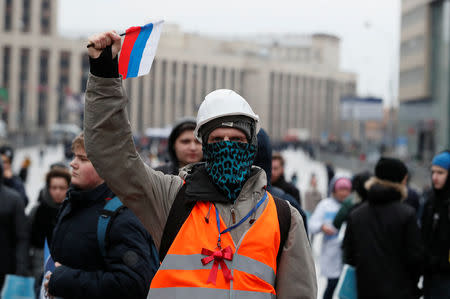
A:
(63, 85)
(26, 6)
(414, 16)
(43, 87)
(413, 46)
(23, 92)
(45, 16)
(8, 15)
(6, 65)
(413, 76)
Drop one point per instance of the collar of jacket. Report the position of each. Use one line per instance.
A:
(199, 186)
(86, 197)
(381, 191)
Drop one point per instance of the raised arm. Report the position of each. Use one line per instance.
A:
(109, 143)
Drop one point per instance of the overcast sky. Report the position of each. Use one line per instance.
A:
(369, 29)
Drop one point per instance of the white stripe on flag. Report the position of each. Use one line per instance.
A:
(150, 49)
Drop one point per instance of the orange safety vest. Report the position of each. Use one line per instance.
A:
(253, 265)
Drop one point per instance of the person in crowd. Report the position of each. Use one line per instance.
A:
(312, 195)
(13, 232)
(9, 179)
(330, 173)
(183, 147)
(23, 172)
(263, 159)
(57, 183)
(436, 230)
(321, 221)
(213, 212)
(122, 268)
(294, 179)
(382, 240)
(278, 179)
(358, 196)
(413, 198)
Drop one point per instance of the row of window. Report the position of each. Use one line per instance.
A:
(177, 82)
(25, 18)
(296, 101)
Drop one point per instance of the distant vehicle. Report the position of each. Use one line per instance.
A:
(62, 133)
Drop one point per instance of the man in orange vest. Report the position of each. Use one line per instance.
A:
(220, 234)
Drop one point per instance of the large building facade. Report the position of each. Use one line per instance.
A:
(291, 81)
(424, 76)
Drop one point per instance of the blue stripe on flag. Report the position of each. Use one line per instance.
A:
(138, 49)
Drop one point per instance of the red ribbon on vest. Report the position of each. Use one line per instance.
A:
(219, 257)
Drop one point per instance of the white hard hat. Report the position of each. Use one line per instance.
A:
(220, 103)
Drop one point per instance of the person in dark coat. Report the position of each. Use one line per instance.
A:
(436, 230)
(44, 217)
(9, 179)
(278, 179)
(263, 159)
(183, 147)
(382, 240)
(13, 232)
(81, 270)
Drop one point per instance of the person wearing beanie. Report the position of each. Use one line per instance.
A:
(359, 195)
(183, 147)
(216, 226)
(436, 230)
(382, 239)
(321, 222)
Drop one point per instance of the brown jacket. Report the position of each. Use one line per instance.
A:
(150, 194)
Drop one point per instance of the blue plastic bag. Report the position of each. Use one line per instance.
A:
(346, 287)
(18, 287)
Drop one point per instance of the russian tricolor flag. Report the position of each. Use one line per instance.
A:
(139, 49)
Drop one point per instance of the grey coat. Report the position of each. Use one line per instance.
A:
(150, 194)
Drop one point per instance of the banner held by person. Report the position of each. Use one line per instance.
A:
(139, 49)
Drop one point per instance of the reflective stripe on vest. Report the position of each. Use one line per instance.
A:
(182, 274)
(195, 293)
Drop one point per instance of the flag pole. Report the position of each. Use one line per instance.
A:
(91, 44)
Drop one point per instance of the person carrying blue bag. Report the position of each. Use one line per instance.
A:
(100, 248)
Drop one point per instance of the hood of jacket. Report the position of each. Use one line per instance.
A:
(381, 191)
(174, 134)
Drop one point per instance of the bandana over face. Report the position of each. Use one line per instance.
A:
(228, 164)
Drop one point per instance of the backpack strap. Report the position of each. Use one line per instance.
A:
(109, 212)
(178, 214)
(284, 221)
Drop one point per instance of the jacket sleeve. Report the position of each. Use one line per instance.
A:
(415, 249)
(21, 226)
(296, 274)
(110, 147)
(128, 270)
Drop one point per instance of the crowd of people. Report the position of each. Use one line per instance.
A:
(220, 218)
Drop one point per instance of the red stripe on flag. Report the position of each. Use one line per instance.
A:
(131, 35)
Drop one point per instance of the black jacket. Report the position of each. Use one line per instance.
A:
(13, 232)
(436, 232)
(288, 188)
(125, 272)
(16, 183)
(383, 242)
(43, 219)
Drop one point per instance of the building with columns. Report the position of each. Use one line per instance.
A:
(291, 81)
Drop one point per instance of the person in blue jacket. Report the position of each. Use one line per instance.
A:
(125, 270)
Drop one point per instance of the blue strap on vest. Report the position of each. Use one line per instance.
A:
(109, 210)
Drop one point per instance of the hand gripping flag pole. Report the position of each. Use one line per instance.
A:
(138, 49)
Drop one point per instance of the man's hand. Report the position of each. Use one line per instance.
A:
(47, 280)
(101, 41)
(328, 230)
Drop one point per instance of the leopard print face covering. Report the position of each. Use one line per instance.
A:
(228, 164)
